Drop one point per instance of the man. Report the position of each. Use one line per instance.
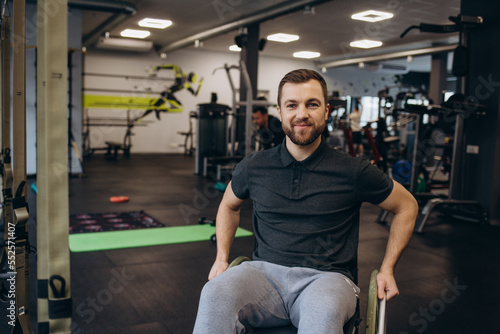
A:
(270, 133)
(306, 199)
(355, 125)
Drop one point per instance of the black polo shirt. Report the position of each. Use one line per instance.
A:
(306, 213)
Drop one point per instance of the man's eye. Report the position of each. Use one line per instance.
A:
(314, 105)
(291, 105)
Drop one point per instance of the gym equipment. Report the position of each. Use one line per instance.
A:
(54, 282)
(203, 221)
(211, 139)
(385, 103)
(460, 109)
(401, 171)
(5, 161)
(376, 318)
(89, 242)
(19, 205)
(112, 148)
(119, 199)
(112, 221)
(230, 161)
(220, 186)
(72, 145)
(348, 138)
(188, 136)
(376, 156)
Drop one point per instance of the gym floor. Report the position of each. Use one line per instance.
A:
(448, 276)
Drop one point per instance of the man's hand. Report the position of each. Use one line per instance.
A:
(405, 209)
(218, 268)
(386, 284)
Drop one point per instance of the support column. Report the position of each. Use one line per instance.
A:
(482, 135)
(250, 56)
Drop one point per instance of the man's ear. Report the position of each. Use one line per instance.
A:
(279, 113)
(326, 111)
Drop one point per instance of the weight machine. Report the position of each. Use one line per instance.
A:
(460, 109)
(221, 160)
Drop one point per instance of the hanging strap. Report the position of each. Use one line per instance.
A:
(5, 163)
(19, 207)
(20, 221)
(54, 291)
(7, 204)
(42, 229)
(5, 35)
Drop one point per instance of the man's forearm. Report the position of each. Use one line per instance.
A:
(401, 231)
(227, 224)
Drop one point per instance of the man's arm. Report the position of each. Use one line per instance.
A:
(405, 209)
(228, 219)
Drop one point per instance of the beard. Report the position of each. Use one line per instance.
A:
(303, 137)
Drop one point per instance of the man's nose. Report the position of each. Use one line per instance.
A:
(302, 112)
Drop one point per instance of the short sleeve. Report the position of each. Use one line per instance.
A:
(373, 185)
(239, 181)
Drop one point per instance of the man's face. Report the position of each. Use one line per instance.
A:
(303, 111)
(259, 118)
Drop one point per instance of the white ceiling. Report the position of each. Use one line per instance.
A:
(328, 31)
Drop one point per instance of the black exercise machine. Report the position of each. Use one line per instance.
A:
(458, 107)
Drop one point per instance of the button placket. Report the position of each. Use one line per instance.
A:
(296, 173)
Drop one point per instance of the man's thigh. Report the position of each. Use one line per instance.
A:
(324, 304)
(246, 296)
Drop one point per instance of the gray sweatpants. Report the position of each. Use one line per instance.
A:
(258, 294)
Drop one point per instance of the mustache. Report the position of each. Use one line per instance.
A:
(302, 122)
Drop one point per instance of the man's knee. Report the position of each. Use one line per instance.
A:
(214, 291)
(222, 290)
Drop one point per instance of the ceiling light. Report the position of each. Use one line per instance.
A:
(371, 16)
(154, 23)
(235, 48)
(365, 44)
(135, 33)
(306, 54)
(284, 38)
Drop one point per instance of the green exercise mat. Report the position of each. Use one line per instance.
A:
(98, 241)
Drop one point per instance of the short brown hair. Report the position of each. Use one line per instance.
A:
(300, 76)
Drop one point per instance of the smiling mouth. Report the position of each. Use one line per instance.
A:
(302, 126)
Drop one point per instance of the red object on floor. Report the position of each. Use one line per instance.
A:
(118, 199)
